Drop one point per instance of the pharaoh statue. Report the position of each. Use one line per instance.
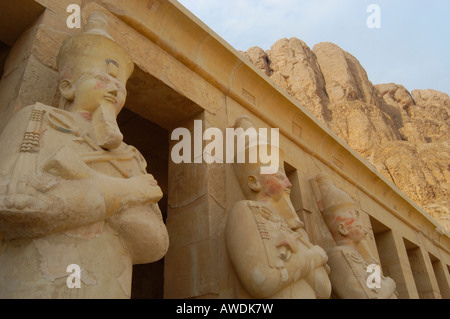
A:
(73, 195)
(349, 270)
(266, 242)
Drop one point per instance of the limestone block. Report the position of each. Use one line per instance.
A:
(36, 82)
(17, 18)
(190, 272)
(20, 51)
(194, 87)
(39, 83)
(217, 178)
(189, 224)
(31, 66)
(50, 35)
(193, 175)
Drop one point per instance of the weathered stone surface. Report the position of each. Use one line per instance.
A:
(72, 193)
(433, 114)
(404, 135)
(259, 58)
(421, 116)
(419, 165)
(356, 115)
(296, 69)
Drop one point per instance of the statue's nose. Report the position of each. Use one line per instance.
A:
(288, 183)
(112, 88)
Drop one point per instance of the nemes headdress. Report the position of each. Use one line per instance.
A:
(93, 50)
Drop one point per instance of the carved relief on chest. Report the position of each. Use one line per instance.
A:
(359, 268)
(31, 139)
(271, 233)
(123, 162)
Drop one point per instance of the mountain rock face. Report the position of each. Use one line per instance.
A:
(406, 136)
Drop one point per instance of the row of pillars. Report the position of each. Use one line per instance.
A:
(417, 273)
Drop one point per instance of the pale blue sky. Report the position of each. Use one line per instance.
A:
(411, 48)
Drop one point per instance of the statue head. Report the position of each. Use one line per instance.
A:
(272, 189)
(254, 184)
(93, 68)
(340, 213)
(93, 72)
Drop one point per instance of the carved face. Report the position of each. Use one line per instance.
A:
(276, 185)
(94, 88)
(350, 226)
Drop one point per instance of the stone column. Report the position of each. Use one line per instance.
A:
(395, 263)
(422, 270)
(443, 278)
(195, 192)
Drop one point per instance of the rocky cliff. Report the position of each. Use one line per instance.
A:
(405, 135)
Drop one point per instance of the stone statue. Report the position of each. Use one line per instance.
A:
(266, 241)
(349, 270)
(72, 193)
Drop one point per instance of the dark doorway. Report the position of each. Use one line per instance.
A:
(153, 143)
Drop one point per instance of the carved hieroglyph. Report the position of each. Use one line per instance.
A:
(71, 192)
(349, 270)
(266, 241)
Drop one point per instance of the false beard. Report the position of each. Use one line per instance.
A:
(287, 212)
(107, 130)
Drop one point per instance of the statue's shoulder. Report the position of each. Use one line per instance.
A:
(13, 132)
(244, 210)
(335, 251)
(36, 107)
(33, 112)
(338, 253)
(250, 206)
(351, 257)
(24, 113)
(238, 209)
(248, 212)
(242, 204)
